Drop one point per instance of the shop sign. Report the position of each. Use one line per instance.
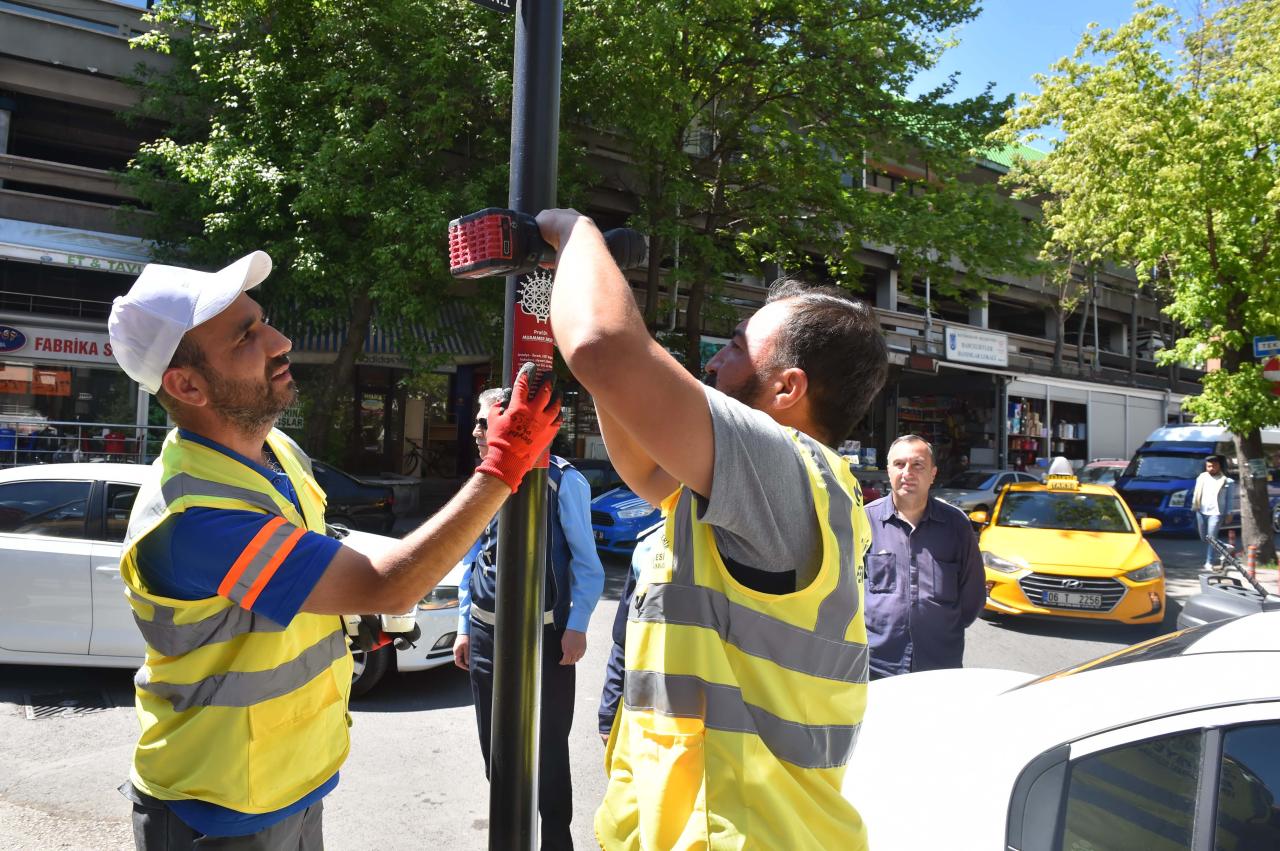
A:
(11, 339)
(291, 418)
(91, 262)
(55, 344)
(967, 346)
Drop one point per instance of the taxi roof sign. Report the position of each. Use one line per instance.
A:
(1061, 483)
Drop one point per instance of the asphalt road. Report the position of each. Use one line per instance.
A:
(415, 778)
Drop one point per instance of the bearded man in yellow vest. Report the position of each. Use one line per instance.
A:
(746, 657)
(235, 586)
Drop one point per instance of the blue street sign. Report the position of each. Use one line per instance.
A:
(1265, 347)
(504, 6)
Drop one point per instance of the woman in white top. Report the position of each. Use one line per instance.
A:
(1211, 501)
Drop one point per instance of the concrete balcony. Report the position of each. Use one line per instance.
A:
(90, 181)
(70, 213)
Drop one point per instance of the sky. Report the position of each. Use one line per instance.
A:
(1012, 39)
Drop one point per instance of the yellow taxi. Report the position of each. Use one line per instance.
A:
(1064, 549)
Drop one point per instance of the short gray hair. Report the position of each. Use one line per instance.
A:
(914, 438)
(489, 397)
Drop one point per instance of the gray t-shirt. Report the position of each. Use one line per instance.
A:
(761, 505)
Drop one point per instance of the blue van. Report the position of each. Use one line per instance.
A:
(1161, 477)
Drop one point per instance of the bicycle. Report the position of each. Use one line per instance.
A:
(413, 458)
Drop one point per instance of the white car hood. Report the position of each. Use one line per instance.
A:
(912, 749)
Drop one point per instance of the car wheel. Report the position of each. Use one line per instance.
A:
(369, 668)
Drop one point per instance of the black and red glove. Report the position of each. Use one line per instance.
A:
(521, 428)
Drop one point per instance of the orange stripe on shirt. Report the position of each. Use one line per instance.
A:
(255, 546)
(269, 570)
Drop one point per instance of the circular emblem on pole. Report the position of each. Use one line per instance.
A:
(535, 295)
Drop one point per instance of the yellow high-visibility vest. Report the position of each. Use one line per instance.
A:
(740, 708)
(235, 709)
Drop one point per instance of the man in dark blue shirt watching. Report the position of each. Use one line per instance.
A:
(925, 582)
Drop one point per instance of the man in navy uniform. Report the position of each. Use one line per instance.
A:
(575, 578)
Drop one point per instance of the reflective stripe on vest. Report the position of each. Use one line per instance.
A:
(755, 633)
(167, 636)
(182, 485)
(245, 688)
(721, 707)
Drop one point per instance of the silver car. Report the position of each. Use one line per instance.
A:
(976, 490)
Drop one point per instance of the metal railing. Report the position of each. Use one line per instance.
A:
(29, 440)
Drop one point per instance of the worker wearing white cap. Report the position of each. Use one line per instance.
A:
(235, 586)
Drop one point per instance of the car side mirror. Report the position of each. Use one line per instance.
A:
(979, 517)
(1150, 524)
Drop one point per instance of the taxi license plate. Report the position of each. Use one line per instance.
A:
(1067, 600)
(599, 535)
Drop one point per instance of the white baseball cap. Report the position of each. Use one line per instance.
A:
(148, 322)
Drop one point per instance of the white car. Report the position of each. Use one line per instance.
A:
(63, 602)
(1173, 743)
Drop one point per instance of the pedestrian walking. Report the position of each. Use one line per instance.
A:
(234, 584)
(1211, 501)
(925, 580)
(745, 647)
(574, 580)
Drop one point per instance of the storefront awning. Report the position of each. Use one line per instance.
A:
(79, 249)
(458, 335)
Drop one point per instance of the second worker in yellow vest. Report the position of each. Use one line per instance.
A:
(242, 698)
(746, 658)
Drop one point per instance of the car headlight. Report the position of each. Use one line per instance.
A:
(1179, 498)
(634, 513)
(1145, 574)
(1003, 565)
(440, 597)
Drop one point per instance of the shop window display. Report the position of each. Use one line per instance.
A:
(1070, 434)
(1028, 432)
(960, 428)
(49, 410)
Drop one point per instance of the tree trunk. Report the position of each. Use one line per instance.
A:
(1255, 514)
(319, 421)
(1060, 317)
(693, 324)
(1084, 323)
(653, 278)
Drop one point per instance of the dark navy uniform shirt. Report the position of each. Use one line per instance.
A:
(923, 587)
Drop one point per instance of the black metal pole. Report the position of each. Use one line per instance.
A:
(517, 663)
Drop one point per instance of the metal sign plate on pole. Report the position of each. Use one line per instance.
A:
(1264, 347)
(522, 524)
(504, 6)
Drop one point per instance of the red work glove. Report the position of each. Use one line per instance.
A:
(521, 428)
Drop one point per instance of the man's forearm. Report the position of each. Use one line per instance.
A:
(393, 580)
(431, 551)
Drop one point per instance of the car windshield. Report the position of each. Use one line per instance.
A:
(971, 481)
(1099, 475)
(600, 479)
(1167, 467)
(1082, 512)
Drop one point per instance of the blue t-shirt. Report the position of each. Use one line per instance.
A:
(188, 556)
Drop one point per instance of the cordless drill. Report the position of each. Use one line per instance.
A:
(495, 242)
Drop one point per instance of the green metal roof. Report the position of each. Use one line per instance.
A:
(1003, 157)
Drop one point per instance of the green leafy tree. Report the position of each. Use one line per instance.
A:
(1168, 162)
(338, 137)
(748, 127)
